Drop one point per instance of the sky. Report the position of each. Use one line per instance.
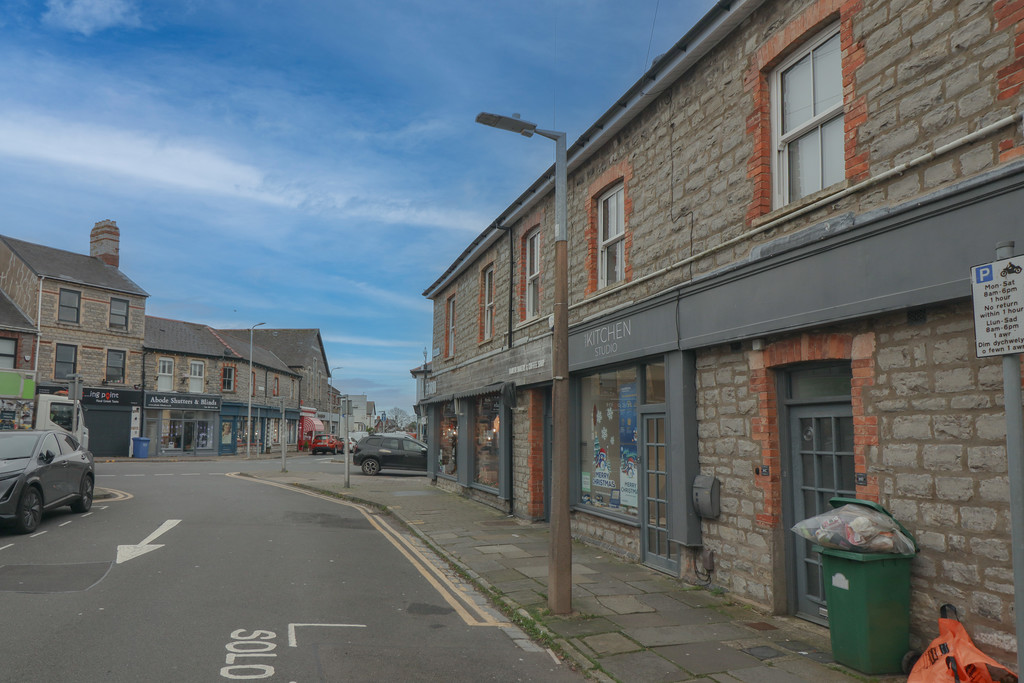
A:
(302, 163)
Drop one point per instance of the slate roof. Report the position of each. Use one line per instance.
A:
(12, 318)
(296, 347)
(178, 336)
(68, 266)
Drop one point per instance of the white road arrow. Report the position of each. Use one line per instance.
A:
(127, 552)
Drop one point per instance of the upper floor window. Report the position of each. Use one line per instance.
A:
(533, 274)
(196, 375)
(65, 361)
(165, 374)
(69, 306)
(449, 343)
(277, 385)
(808, 119)
(8, 353)
(119, 313)
(488, 298)
(611, 229)
(115, 366)
(227, 379)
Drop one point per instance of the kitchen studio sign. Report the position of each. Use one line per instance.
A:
(604, 340)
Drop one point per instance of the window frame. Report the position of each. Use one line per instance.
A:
(532, 270)
(62, 307)
(781, 142)
(449, 338)
(127, 306)
(123, 367)
(13, 355)
(616, 241)
(227, 379)
(57, 347)
(487, 281)
(192, 376)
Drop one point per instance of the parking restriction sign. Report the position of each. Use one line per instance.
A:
(998, 290)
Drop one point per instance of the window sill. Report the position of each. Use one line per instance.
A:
(607, 514)
(792, 207)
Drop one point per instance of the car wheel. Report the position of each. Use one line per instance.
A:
(85, 493)
(371, 466)
(30, 511)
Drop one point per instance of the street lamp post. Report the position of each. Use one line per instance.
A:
(560, 561)
(343, 411)
(252, 390)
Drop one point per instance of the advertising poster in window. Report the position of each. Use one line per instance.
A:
(602, 467)
(627, 445)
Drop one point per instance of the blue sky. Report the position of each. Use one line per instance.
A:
(303, 163)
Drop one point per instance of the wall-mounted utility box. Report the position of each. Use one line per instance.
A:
(706, 496)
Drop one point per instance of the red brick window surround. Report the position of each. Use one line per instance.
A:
(449, 326)
(486, 303)
(1009, 15)
(773, 52)
(600, 242)
(859, 350)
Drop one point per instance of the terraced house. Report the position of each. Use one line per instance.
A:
(770, 236)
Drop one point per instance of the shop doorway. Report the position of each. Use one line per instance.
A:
(658, 552)
(821, 466)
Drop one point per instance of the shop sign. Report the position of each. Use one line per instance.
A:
(110, 397)
(182, 402)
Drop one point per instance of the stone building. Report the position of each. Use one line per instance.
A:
(88, 319)
(771, 237)
(200, 395)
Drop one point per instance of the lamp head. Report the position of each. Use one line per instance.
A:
(510, 123)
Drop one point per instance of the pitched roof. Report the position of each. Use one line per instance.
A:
(12, 317)
(58, 264)
(178, 336)
(296, 347)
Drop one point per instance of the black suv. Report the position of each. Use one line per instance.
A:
(384, 451)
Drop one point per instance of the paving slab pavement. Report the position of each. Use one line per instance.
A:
(630, 623)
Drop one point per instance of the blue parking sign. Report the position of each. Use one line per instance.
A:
(983, 274)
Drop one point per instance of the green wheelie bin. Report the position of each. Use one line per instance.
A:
(868, 596)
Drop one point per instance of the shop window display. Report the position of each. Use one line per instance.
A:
(485, 456)
(447, 461)
(609, 467)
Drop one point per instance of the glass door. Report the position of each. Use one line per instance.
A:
(821, 438)
(657, 551)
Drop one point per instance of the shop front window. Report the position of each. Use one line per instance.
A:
(609, 468)
(485, 455)
(447, 460)
(186, 431)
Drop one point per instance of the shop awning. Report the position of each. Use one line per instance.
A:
(310, 424)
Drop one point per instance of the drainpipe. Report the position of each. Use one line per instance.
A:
(39, 329)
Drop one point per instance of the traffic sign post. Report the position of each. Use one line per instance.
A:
(998, 290)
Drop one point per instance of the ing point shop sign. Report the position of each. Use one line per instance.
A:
(998, 291)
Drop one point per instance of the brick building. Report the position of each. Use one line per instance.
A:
(88, 319)
(198, 389)
(770, 242)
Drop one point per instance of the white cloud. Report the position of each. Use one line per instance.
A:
(89, 16)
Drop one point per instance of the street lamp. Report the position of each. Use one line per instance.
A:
(252, 390)
(560, 561)
(343, 409)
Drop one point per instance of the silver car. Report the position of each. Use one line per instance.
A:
(42, 470)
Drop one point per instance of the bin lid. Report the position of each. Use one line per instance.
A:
(839, 501)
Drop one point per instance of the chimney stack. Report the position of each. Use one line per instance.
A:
(104, 241)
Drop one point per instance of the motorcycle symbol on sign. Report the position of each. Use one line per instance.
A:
(1010, 269)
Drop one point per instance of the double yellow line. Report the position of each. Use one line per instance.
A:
(463, 604)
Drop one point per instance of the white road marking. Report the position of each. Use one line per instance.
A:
(128, 552)
(67, 522)
(7, 546)
(39, 534)
(291, 630)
